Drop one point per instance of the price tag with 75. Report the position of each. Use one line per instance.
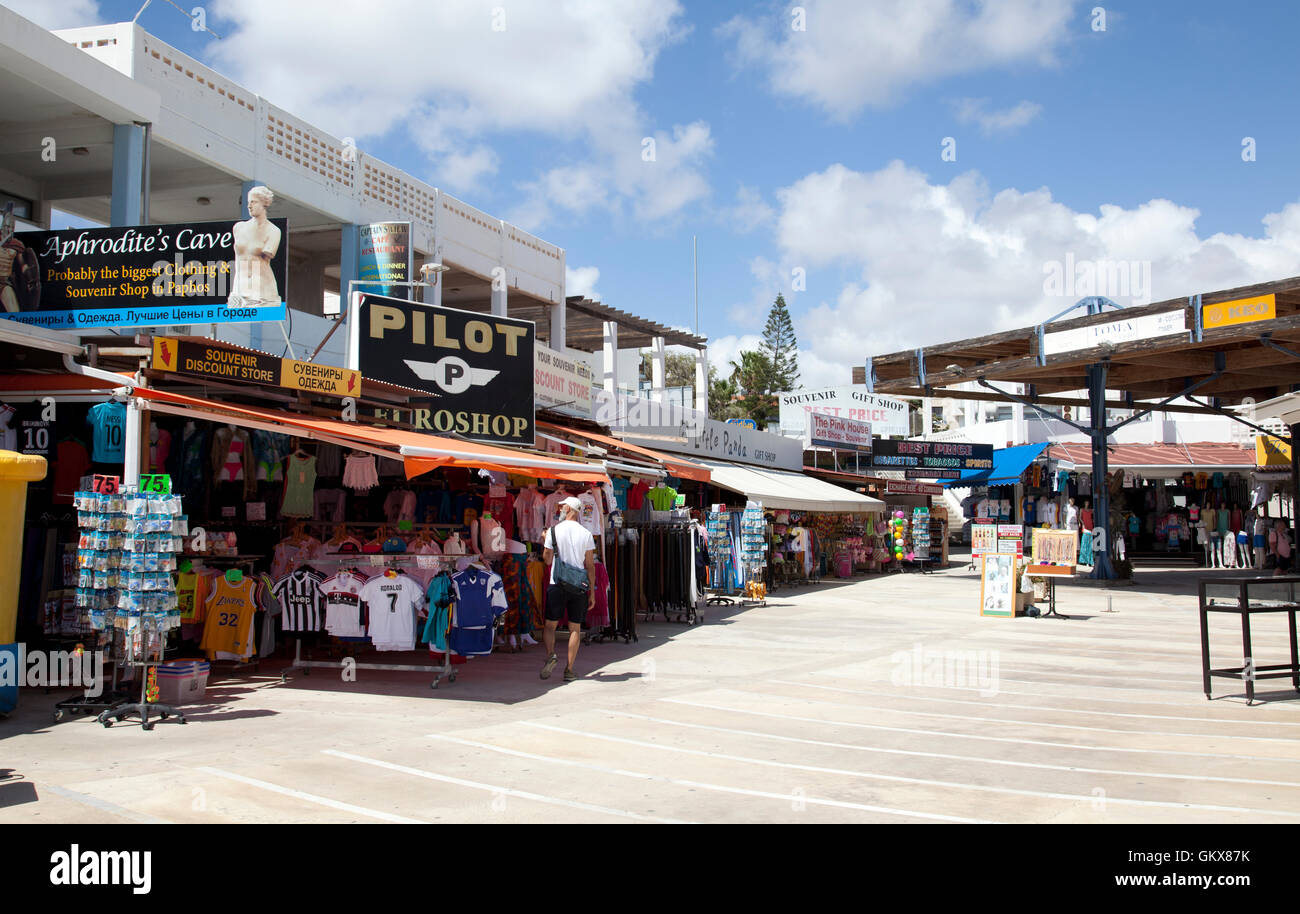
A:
(156, 484)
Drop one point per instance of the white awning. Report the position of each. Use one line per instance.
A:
(789, 491)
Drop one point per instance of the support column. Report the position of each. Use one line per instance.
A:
(610, 354)
(559, 340)
(1295, 493)
(349, 258)
(128, 175)
(499, 284)
(499, 297)
(658, 368)
(1102, 567)
(702, 381)
(136, 422)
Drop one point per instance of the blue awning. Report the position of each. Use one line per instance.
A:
(1008, 465)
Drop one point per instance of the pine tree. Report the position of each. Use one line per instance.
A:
(753, 376)
(781, 347)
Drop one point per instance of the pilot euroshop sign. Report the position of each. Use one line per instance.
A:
(479, 366)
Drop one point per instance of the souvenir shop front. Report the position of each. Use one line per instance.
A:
(924, 527)
(1013, 491)
(1167, 502)
(288, 533)
(775, 527)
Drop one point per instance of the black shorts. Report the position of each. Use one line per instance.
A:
(558, 600)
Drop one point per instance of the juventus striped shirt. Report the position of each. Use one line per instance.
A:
(300, 598)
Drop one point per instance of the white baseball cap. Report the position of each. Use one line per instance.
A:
(573, 503)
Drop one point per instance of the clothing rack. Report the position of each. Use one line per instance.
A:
(679, 605)
(393, 558)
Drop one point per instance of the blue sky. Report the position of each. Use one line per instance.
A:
(832, 132)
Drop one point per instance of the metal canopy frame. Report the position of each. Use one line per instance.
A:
(1098, 431)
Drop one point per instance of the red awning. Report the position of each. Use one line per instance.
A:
(419, 452)
(677, 466)
(1160, 457)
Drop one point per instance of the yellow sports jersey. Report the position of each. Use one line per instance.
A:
(230, 610)
(191, 591)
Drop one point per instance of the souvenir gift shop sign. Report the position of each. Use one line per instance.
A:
(839, 433)
(561, 382)
(478, 365)
(932, 459)
(203, 360)
(140, 276)
(713, 440)
(888, 415)
(385, 257)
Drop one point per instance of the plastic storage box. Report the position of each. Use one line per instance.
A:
(182, 681)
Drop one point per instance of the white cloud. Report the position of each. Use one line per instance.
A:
(930, 262)
(57, 14)
(852, 55)
(976, 111)
(443, 75)
(727, 349)
(582, 281)
(750, 211)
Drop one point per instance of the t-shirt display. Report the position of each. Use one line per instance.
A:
(392, 602)
(636, 494)
(109, 422)
(300, 598)
(591, 517)
(299, 485)
(344, 616)
(230, 607)
(480, 599)
(662, 498)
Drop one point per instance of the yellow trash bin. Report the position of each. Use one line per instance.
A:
(16, 471)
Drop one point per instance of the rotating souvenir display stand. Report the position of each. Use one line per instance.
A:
(126, 555)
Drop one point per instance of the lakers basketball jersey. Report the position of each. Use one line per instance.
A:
(230, 609)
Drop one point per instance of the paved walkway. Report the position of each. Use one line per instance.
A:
(881, 700)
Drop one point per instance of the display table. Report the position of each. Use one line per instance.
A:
(1050, 573)
(1248, 596)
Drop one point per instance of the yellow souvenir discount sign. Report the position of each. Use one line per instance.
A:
(222, 364)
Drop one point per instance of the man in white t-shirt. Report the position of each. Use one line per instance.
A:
(570, 542)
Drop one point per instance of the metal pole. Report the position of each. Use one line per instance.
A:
(1295, 491)
(1102, 567)
(695, 271)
